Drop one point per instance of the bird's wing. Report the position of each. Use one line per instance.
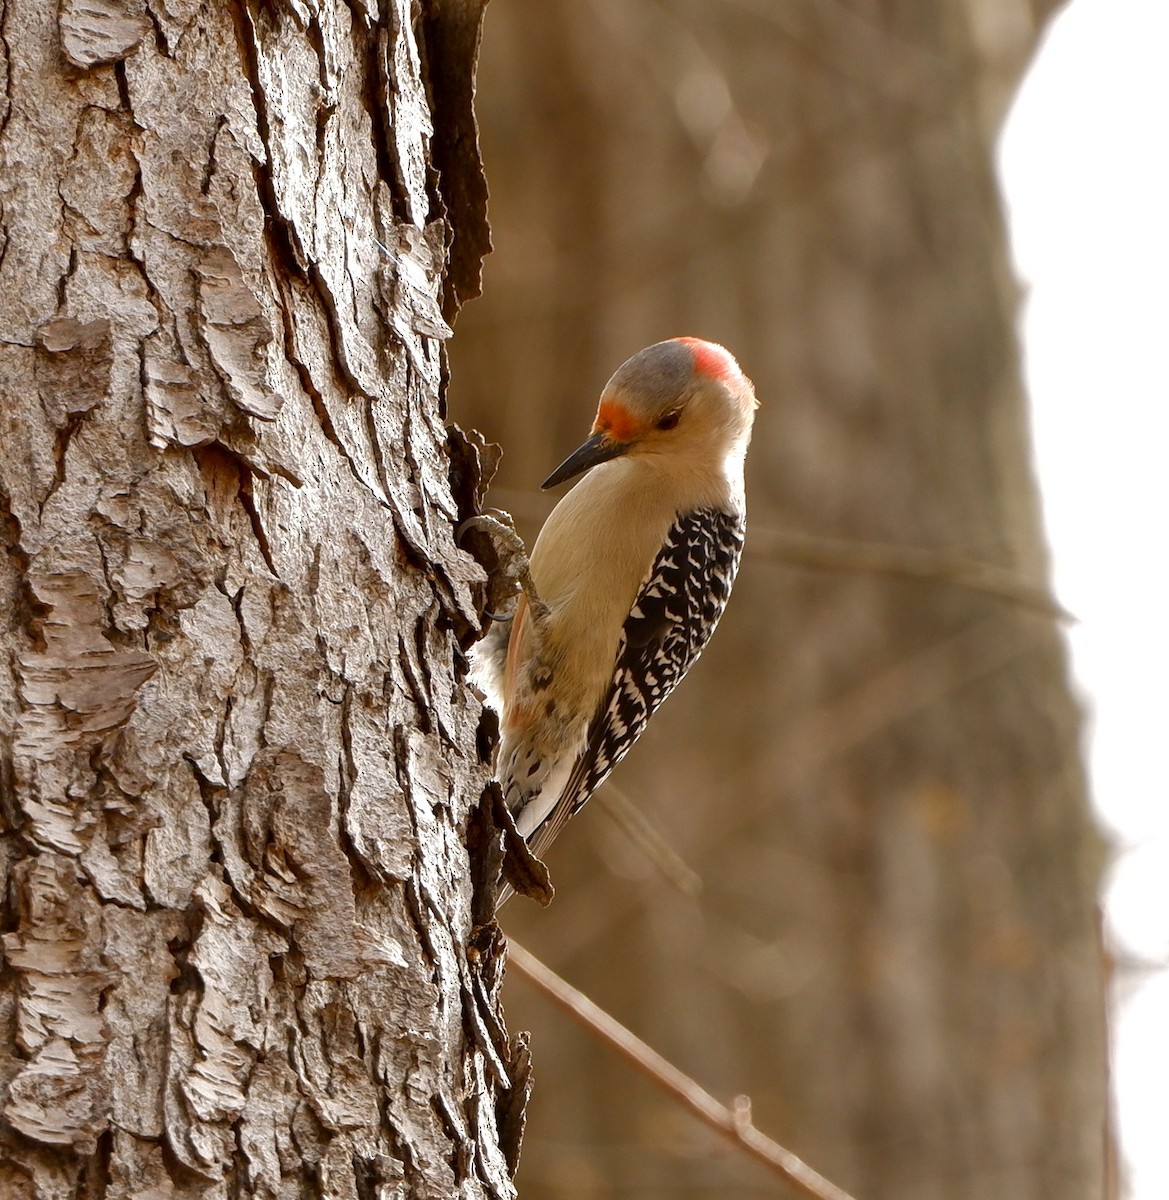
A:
(676, 610)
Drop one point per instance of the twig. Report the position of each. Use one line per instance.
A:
(853, 555)
(892, 558)
(734, 1124)
(617, 806)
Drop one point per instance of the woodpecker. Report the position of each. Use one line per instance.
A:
(632, 568)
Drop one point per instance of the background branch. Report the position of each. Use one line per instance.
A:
(856, 555)
(733, 1123)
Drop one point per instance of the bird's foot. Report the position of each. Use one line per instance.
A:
(511, 556)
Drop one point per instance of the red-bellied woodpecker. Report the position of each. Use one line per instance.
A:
(633, 568)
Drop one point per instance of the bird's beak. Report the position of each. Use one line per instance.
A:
(598, 449)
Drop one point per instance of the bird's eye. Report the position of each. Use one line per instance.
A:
(670, 420)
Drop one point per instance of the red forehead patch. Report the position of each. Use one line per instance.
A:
(711, 360)
(614, 419)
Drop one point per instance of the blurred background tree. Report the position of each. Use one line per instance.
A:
(890, 939)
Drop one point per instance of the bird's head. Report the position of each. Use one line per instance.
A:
(685, 398)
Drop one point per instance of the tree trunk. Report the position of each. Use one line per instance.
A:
(237, 753)
(875, 769)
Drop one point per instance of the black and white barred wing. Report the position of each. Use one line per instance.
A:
(675, 613)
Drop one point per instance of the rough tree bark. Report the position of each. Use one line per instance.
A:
(237, 755)
(874, 769)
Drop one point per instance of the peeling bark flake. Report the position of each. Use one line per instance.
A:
(81, 685)
(101, 31)
(237, 333)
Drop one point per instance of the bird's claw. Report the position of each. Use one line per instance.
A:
(510, 552)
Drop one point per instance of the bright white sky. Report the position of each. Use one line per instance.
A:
(1085, 164)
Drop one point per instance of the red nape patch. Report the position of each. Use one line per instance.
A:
(711, 360)
(614, 419)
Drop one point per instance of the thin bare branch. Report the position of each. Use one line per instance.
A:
(891, 558)
(641, 832)
(849, 554)
(733, 1123)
